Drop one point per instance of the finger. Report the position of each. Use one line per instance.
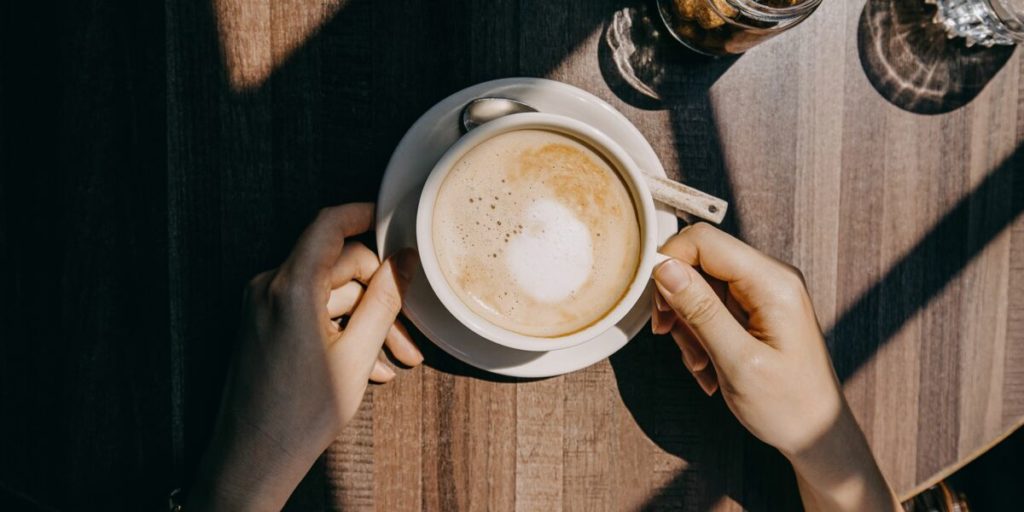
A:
(257, 286)
(356, 262)
(343, 300)
(381, 372)
(320, 244)
(694, 356)
(707, 379)
(400, 343)
(660, 303)
(721, 289)
(661, 321)
(353, 354)
(692, 298)
(696, 359)
(748, 272)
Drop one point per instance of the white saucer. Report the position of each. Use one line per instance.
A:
(423, 145)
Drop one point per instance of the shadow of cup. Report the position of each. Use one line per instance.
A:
(911, 62)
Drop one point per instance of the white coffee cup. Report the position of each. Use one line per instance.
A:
(631, 175)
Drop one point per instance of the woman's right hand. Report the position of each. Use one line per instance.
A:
(745, 324)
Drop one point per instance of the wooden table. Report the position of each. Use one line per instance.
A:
(146, 177)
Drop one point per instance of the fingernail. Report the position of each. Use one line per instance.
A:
(672, 276)
(707, 385)
(387, 370)
(694, 360)
(404, 347)
(406, 264)
(655, 326)
(659, 301)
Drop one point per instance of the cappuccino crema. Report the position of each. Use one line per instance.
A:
(537, 233)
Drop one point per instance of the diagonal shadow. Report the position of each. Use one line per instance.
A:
(345, 52)
(317, 131)
(343, 58)
(648, 69)
(322, 162)
(648, 385)
(361, 107)
(928, 267)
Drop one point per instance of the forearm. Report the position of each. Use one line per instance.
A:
(839, 472)
(246, 469)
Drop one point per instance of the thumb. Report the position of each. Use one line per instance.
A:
(697, 304)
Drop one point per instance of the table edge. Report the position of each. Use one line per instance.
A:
(946, 471)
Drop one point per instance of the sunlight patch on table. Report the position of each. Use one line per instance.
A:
(258, 36)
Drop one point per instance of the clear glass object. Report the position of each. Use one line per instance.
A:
(984, 22)
(731, 27)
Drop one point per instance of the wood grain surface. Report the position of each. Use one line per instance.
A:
(155, 156)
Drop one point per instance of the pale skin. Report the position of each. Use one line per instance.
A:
(745, 325)
(299, 376)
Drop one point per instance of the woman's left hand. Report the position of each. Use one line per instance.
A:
(299, 376)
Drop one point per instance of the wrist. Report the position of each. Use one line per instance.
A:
(233, 477)
(837, 440)
(247, 468)
(838, 471)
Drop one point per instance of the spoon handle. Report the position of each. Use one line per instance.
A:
(687, 199)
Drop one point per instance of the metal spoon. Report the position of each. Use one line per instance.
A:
(672, 193)
(483, 110)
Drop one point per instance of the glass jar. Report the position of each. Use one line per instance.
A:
(731, 27)
(984, 22)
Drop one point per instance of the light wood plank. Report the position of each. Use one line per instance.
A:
(398, 442)
(540, 417)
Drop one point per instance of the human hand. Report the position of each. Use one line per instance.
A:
(745, 324)
(299, 377)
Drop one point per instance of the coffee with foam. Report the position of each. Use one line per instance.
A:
(537, 233)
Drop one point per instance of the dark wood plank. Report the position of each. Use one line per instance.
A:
(398, 443)
(1013, 377)
(587, 440)
(351, 465)
(85, 343)
(539, 468)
